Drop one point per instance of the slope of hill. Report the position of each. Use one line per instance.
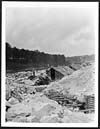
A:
(79, 83)
(17, 59)
(79, 59)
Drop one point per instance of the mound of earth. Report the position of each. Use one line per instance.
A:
(79, 83)
(27, 101)
(39, 109)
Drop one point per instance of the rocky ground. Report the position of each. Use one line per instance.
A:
(37, 99)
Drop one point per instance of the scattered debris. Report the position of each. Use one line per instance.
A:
(41, 98)
(42, 79)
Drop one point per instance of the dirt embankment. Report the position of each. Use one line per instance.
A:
(28, 102)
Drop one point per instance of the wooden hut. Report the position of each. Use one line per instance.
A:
(56, 73)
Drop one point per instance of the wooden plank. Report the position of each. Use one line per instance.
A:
(87, 110)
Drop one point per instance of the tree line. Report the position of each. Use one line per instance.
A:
(80, 59)
(35, 58)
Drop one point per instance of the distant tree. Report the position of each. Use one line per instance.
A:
(15, 53)
(8, 51)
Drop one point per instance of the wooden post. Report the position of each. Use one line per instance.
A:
(33, 72)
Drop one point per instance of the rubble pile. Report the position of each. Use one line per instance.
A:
(40, 109)
(71, 91)
(40, 100)
(42, 79)
(70, 101)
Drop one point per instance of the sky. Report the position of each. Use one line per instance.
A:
(54, 30)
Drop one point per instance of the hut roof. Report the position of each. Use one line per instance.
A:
(65, 70)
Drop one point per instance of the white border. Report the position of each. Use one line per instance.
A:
(48, 4)
(51, 4)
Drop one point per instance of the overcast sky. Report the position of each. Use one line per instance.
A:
(68, 31)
